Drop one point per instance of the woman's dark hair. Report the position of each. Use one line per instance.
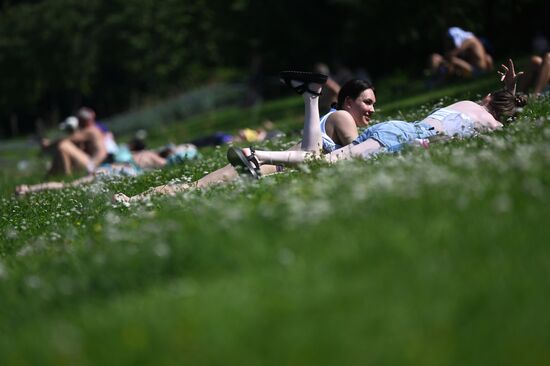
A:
(505, 104)
(352, 89)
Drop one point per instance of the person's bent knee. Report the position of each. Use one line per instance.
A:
(64, 145)
(489, 62)
(435, 59)
(536, 60)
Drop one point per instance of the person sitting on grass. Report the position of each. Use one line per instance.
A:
(127, 162)
(84, 149)
(537, 75)
(339, 127)
(462, 119)
(465, 56)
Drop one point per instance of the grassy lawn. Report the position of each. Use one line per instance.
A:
(429, 257)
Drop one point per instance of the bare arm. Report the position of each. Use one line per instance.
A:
(509, 77)
(79, 136)
(463, 47)
(100, 151)
(344, 130)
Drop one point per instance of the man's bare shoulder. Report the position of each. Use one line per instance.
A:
(93, 131)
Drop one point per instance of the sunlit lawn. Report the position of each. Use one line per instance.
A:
(435, 256)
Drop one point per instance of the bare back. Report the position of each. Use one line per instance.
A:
(483, 120)
(147, 159)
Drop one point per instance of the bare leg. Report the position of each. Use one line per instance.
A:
(460, 66)
(435, 62)
(84, 180)
(225, 174)
(68, 155)
(163, 190)
(24, 189)
(544, 74)
(489, 62)
(228, 173)
(476, 55)
(312, 141)
(282, 157)
(531, 74)
(362, 150)
(222, 175)
(312, 137)
(49, 186)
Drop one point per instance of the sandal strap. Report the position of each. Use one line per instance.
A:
(302, 88)
(252, 158)
(316, 94)
(242, 163)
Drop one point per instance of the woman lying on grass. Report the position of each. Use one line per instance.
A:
(337, 128)
(460, 119)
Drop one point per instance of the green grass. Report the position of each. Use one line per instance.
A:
(431, 257)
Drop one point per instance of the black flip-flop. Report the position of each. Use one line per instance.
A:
(305, 78)
(246, 164)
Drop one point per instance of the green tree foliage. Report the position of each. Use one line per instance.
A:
(58, 54)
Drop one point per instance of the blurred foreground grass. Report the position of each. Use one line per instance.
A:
(435, 256)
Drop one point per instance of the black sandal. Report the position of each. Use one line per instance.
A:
(305, 77)
(246, 164)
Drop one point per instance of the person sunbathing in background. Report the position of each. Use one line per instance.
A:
(129, 160)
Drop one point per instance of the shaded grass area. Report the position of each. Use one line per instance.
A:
(434, 256)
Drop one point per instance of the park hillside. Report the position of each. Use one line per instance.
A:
(430, 256)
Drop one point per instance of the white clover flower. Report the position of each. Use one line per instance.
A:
(55, 236)
(161, 250)
(25, 250)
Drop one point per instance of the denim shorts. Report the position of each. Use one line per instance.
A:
(393, 135)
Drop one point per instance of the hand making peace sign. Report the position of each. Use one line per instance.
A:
(509, 76)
